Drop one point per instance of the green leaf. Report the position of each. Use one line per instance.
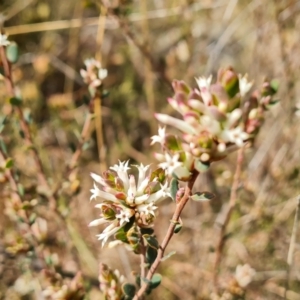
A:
(174, 188)
(9, 163)
(133, 237)
(160, 174)
(21, 189)
(48, 260)
(200, 166)
(28, 116)
(128, 225)
(32, 218)
(178, 227)
(105, 94)
(22, 134)
(151, 255)
(15, 101)
(202, 196)
(129, 290)
(138, 280)
(152, 187)
(151, 241)
(12, 52)
(275, 85)
(86, 145)
(155, 281)
(3, 146)
(172, 143)
(121, 236)
(168, 255)
(272, 103)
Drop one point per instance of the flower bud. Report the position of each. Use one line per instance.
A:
(179, 194)
(229, 80)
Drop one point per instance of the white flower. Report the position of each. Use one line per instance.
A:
(121, 170)
(204, 87)
(160, 138)
(3, 40)
(102, 74)
(170, 163)
(244, 84)
(233, 117)
(124, 196)
(204, 83)
(124, 216)
(236, 136)
(108, 232)
(147, 209)
(244, 275)
(94, 73)
(92, 62)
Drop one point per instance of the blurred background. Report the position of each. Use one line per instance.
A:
(147, 44)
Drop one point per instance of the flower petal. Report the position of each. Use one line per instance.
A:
(177, 123)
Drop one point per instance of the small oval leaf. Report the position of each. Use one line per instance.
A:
(12, 52)
(203, 196)
(178, 227)
(9, 163)
(151, 255)
(129, 290)
(201, 167)
(15, 101)
(155, 281)
(168, 255)
(151, 241)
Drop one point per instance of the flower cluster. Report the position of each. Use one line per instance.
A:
(216, 120)
(244, 275)
(94, 73)
(58, 288)
(127, 202)
(110, 283)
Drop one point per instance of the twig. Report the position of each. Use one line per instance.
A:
(143, 258)
(98, 100)
(11, 178)
(292, 248)
(83, 137)
(26, 130)
(160, 253)
(76, 155)
(232, 202)
(76, 23)
(17, 7)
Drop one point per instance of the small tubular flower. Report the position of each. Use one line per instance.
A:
(111, 283)
(126, 199)
(160, 138)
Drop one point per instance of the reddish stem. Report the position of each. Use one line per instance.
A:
(179, 208)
